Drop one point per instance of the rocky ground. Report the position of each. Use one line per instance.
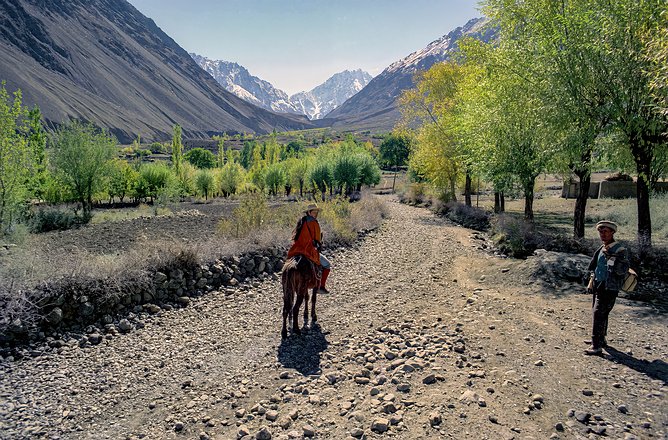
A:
(425, 335)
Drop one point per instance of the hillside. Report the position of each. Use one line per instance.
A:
(375, 106)
(103, 61)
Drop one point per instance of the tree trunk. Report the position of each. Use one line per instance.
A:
(394, 179)
(581, 204)
(643, 167)
(641, 149)
(453, 189)
(497, 202)
(528, 200)
(502, 198)
(467, 189)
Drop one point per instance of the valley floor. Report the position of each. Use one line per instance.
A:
(423, 336)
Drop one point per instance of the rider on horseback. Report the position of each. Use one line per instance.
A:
(307, 241)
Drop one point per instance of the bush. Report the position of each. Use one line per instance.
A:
(52, 219)
(415, 194)
(513, 236)
(467, 216)
(251, 214)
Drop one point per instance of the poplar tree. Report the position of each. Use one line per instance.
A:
(15, 157)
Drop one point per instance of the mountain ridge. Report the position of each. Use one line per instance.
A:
(104, 62)
(375, 107)
(314, 103)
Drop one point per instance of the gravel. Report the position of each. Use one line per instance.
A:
(425, 335)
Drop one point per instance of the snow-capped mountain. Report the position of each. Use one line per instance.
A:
(238, 80)
(330, 94)
(376, 105)
(315, 104)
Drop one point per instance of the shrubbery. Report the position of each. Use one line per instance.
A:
(467, 216)
(52, 219)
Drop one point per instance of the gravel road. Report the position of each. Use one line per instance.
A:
(424, 335)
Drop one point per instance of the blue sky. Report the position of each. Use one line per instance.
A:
(298, 44)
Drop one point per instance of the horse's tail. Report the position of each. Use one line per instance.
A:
(287, 280)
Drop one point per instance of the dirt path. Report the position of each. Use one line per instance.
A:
(424, 336)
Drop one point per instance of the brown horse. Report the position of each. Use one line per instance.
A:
(299, 275)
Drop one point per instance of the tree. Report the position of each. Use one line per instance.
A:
(81, 155)
(221, 156)
(394, 152)
(201, 158)
(16, 160)
(122, 178)
(369, 171)
(204, 182)
(153, 178)
(631, 96)
(275, 177)
(37, 143)
(177, 149)
(230, 178)
(321, 178)
(346, 172)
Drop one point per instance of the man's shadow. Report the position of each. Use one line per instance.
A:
(657, 369)
(302, 352)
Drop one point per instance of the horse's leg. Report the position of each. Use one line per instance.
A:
(314, 317)
(287, 309)
(306, 298)
(295, 310)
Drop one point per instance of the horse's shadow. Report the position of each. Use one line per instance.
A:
(657, 369)
(302, 352)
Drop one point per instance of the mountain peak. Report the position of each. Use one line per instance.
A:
(315, 103)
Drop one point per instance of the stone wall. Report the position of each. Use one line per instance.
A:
(614, 189)
(76, 303)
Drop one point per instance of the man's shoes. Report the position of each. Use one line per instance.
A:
(593, 351)
(324, 290)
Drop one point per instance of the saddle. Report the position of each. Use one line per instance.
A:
(315, 268)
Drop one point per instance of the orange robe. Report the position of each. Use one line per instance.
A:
(304, 244)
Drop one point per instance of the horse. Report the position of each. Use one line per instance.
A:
(299, 275)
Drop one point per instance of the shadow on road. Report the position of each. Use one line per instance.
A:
(302, 352)
(657, 369)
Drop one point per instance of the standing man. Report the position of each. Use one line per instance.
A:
(307, 241)
(609, 264)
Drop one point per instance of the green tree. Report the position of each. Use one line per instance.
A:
(246, 156)
(122, 178)
(394, 152)
(153, 178)
(346, 173)
(81, 155)
(177, 149)
(230, 178)
(221, 156)
(201, 158)
(37, 141)
(369, 171)
(16, 160)
(275, 178)
(321, 178)
(204, 182)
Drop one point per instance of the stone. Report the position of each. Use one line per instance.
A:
(380, 425)
(430, 379)
(582, 416)
(124, 325)
(263, 434)
(308, 431)
(55, 316)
